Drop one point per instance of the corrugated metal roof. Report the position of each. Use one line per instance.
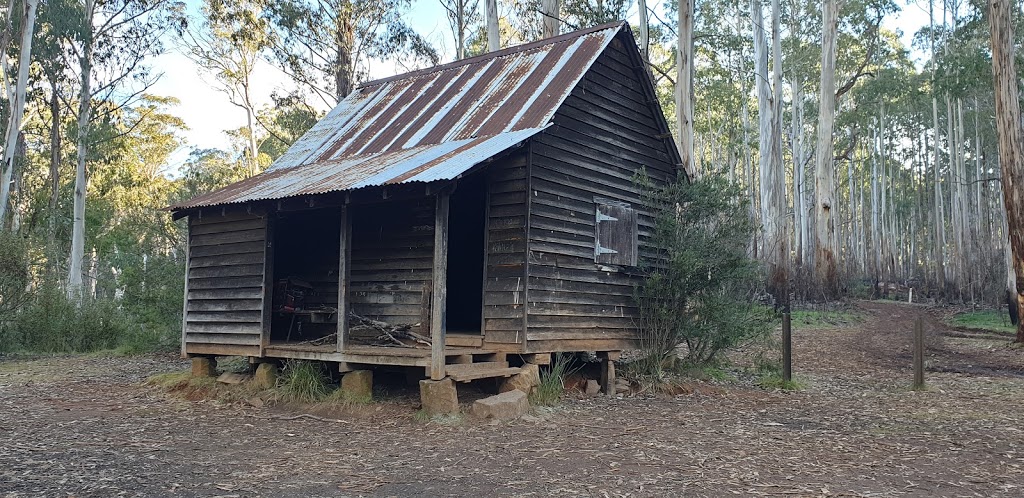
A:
(424, 163)
(440, 119)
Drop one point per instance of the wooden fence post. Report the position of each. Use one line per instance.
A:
(787, 348)
(919, 354)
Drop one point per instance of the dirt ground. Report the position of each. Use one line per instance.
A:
(88, 426)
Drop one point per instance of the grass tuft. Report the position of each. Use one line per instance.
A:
(774, 381)
(552, 385)
(304, 381)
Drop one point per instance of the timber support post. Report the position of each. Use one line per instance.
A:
(440, 285)
(608, 371)
(344, 267)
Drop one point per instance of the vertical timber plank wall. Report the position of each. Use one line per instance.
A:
(605, 132)
(225, 298)
(505, 267)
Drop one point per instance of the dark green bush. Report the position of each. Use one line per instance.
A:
(49, 323)
(14, 275)
(699, 280)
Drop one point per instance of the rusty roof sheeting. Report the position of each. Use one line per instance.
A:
(425, 163)
(385, 126)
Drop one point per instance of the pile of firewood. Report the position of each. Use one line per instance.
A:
(378, 333)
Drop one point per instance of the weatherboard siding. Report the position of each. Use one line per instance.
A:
(225, 293)
(604, 133)
(505, 264)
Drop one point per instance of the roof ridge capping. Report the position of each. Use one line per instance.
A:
(496, 54)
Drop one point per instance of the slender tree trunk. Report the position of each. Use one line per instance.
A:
(17, 107)
(1011, 139)
(344, 78)
(76, 268)
(781, 271)
(20, 160)
(645, 34)
(772, 173)
(876, 234)
(493, 36)
(460, 30)
(799, 217)
(940, 216)
(549, 10)
(826, 276)
(250, 119)
(684, 87)
(55, 152)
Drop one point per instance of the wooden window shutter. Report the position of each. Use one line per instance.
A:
(615, 237)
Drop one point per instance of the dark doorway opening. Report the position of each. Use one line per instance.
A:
(305, 275)
(466, 228)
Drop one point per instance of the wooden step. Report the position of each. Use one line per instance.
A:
(463, 340)
(471, 371)
(486, 374)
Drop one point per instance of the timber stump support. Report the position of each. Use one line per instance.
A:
(204, 366)
(608, 371)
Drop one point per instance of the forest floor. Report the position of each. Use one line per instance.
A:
(90, 426)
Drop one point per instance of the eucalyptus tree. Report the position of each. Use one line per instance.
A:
(578, 14)
(229, 40)
(826, 277)
(317, 41)
(112, 46)
(1011, 138)
(684, 87)
(550, 17)
(772, 171)
(461, 14)
(493, 35)
(15, 84)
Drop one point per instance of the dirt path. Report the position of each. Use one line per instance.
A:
(86, 427)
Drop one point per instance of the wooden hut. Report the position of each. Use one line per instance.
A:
(481, 213)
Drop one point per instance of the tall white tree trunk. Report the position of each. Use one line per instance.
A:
(773, 185)
(460, 30)
(797, 153)
(826, 276)
(645, 33)
(779, 275)
(684, 87)
(74, 289)
(549, 10)
(493, 36)
(940, 216)
(250, 118)
(16, 97)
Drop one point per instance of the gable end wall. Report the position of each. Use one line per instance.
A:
(603, 134)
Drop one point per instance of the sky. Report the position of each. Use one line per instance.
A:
(208, 113)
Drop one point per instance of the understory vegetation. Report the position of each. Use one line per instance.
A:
(552, 381)
(696, 300)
